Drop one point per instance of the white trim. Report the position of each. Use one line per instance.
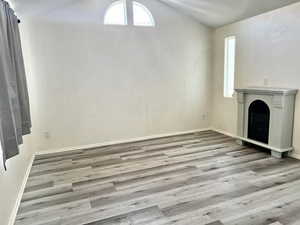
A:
(229, 77)
(83, 147)
(20, 194)
(295, 155)
(124, 4)
(22, 188)
(146, 10)
(258, 143)
(21, 191)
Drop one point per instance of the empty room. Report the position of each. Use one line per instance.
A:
(149, 112)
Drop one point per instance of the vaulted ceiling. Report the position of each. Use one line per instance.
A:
(212, 13)
(216, 13)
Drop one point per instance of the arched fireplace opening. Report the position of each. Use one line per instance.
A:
(259, 121)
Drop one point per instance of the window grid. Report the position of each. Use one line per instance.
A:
(139, 15)
(116, 14)
(142, 16)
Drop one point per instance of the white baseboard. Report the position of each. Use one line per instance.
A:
(23, 185)
(22, 188)
(295, 155)
(83, 147)
(224, 132)
(292, 154)
(20, 194)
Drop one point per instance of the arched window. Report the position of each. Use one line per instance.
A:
(141, 15)
(116, 14)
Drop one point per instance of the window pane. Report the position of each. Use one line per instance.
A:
(141, 15)
(116, 14)
(229, 66)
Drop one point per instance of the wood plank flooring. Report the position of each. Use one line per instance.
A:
(202, 178)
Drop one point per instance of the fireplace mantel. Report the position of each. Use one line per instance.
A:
(281, 103)
(267, 91)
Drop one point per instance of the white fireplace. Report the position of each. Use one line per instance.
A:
(266, 117)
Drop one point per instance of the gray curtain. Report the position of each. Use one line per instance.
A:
(14, 104)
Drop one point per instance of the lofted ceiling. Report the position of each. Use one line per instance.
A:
(216, 13)
(212, 13)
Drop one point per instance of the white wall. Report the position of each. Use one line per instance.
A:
(267, 47)
(90, 83)
(12, 179)
(93, 83)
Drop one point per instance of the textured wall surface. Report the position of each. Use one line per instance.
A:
(12, 179)
(267, 54)
(93, 83)
(90, 83)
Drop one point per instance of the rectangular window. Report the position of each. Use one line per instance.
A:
(229, 66)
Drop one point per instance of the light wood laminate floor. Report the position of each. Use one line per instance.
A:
(200, 178)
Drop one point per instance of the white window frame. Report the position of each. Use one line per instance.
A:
(229, 66)
(129, 17)
(125, 13)
(147, 11)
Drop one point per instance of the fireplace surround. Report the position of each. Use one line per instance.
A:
(266, 117)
